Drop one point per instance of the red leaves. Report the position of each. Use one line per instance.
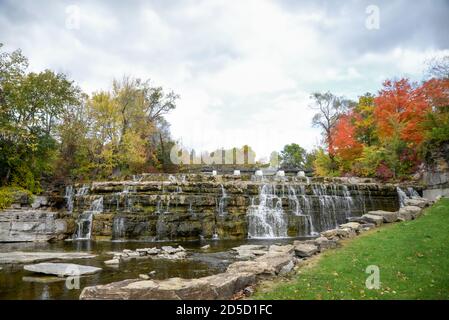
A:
(400, 110)
(344, 142)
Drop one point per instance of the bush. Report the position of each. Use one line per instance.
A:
(9, 194)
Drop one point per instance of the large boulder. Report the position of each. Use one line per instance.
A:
(324, 243)
(220, 286)
(351, 225)
(329, 233)
(304, 250)
(409, 213)
(346, 233)
(276, 260)
(372, 218)
(387, 216)
(252, 267)
(417, 202)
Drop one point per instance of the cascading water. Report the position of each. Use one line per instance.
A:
(84, 221)
(82, 191)
(402, 196)
(267, 219)
(119, 228)
(328, 214)
(413, 193)
(222, 202)
(69, 194)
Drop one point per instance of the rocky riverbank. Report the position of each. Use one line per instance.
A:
(257, 262)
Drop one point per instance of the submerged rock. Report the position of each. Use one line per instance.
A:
(112, 262)
(62, 269)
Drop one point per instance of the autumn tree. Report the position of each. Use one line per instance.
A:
(328, 109)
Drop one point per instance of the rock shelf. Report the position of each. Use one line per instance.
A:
(260, 262)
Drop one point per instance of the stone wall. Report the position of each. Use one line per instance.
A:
(436, 173)
(25, 225)
(162, 207)
(189, 207)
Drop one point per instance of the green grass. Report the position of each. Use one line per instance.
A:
(413, 258)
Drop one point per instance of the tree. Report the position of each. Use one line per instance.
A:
(364, 121)
(345, 144)
(293, 156)
(31, 107)
(329, 108)
(400, 110)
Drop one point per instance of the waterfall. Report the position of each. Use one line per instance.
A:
(402, 196)
(82, 191)
(119, 228)
(128, 201)
(222, 201)
(84, 221)
(328, 214)
(69, 193)
(267, 219)
(413, 193)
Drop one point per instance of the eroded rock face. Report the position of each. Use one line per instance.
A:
(33, 225)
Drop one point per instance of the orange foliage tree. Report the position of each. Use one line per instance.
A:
(344, 142)
(400, 111)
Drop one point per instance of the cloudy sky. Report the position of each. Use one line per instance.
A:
(244, 70)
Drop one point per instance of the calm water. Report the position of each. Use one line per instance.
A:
(16, 283)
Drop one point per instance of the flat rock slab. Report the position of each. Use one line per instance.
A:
(31, 257)
(62, 269)
(221, 286)
(371, 218)
(388, 216)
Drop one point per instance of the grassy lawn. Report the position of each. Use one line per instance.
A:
(413, 258)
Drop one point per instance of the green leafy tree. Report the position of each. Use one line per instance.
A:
(293, 156)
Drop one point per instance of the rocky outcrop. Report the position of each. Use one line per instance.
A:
(186, 207)
(260, 262)
(435, 175)
(23, 225)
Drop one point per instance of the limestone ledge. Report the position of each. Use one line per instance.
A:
(256, 262)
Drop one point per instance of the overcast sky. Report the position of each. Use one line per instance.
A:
(244, 69)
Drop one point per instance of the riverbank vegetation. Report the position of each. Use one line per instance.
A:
(411, 256)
